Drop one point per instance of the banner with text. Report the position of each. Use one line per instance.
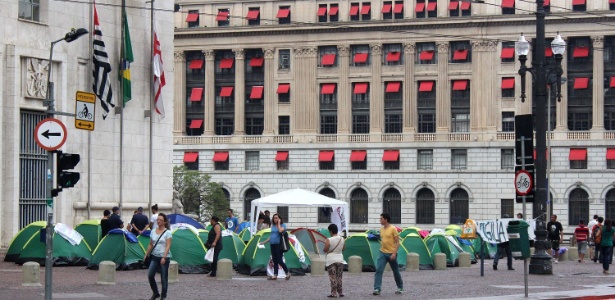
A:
(494, 231)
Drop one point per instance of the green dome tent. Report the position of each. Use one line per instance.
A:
(415, 244)
(64, 253)
(490, 249)
(454, 227)
(438, 243)
(324, 231)
(233, 246)
(116, 247)
(368, 249)
(144, 239)
(20, 240)
(188, 251)
(311, 240)
(91, 232)
(465, 245)
(245, 235)
(409, 230)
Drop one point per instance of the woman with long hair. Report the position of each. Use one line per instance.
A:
(607, 245)
(160, 249)
(276, 251)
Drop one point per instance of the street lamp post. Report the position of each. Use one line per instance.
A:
(540, 262)
(50, 103)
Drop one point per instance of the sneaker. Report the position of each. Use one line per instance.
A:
(555, 261)
(399, 291)
(376, 292)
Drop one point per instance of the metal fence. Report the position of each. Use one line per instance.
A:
(32, 168)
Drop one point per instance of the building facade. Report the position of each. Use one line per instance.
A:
(28, 28)
(400, 106)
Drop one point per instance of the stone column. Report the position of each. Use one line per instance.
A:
(483, 87)
(598, 86)
(179, 110)
(210, 92)
(344, 107)
(409, 111)
(240, 87)
(443, 95)
(305, 108)
(376, 97)
(269, 93)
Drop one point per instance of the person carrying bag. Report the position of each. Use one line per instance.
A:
(277, 255)
(335, 261)
(159, 253)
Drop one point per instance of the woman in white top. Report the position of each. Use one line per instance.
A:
(160, 249)
(335, 261)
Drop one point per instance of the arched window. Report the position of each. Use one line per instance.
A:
(227, 196)
(324, 213)
(460, 206)
(358, 206)
(391, 203)
(425, 207)
(609, 201)
(250, 195)
(578, 206)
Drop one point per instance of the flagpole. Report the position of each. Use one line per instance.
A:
(122, 57)
(89, 83)
(151, 107)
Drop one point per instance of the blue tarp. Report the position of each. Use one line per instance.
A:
(178, 218)
(127, 234)
(243, 225)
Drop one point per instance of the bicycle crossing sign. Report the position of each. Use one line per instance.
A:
(85, 107)
(524, 183)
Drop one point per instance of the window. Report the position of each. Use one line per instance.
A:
(580, 104)
(283, 92)
(281, 159)
(419, 9)
(324, 213)
(507, 159)
(354, 11)
(283, 15)
(508, 121)
(392, 10)
(32, 170)
(284, 59)
(610, 158)
(221, 161)
(254, 16)
(254, 125)
(328, 108)
(326, 160)
(578, 206)
(391, 204)
(424, 159)
(360, 55)
(426, 54)
(508, 7)
(358, 160)
(460, 52)
(459, 159)
(334, 13)
(191, 160)
(195, 127)
(322, 13)
(193, 18)
(358, 206)
(393, 107)
(426, 107)
(327, 56)
(432, 9)
(460, 106)
(459, 8)
(283, 125)
(391, 159)
(425, 207)
(508, 87)
(282, 211)
(579, 5)
(366, 11)
(507, 207)
(460, 206)
(223, 17)
(252, 160)
(578, 159)
(398, 10)
(508, 52)
(360, 108)
(251, 194)
(392, 54)
(609, 201)
(29, 10)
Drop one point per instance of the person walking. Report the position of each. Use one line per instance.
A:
(581, 234)
(607, 245)
(590, 238)
(597, 237)
(556, 236)
(276, 252)
(334, 261)
(214, 239)
(504, 247)
(160, 249)
(388, 254)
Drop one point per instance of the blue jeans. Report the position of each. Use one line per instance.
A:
(383, 259)
(278, 259)
(164, 274)
(607, 253)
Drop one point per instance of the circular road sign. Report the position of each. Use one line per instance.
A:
(50, 134)
(523, 182)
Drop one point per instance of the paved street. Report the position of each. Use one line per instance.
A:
(569, 279)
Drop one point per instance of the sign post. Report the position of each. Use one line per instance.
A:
(85, 110)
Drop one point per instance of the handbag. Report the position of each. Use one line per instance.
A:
(284, 242)
(148, 258)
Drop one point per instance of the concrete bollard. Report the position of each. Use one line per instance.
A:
(106, 273)
(439, 261)
(318, 267)
(355, 264)
(173, 272)
(412, 262)
(564, 256)
(31, 272)
(532, 250)
(464, 260)
(225, 269)
(573, 253)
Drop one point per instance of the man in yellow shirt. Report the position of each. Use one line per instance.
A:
(388, 254)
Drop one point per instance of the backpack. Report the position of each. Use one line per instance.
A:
(469, 229)
(597, 233)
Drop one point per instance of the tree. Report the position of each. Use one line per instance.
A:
(198, 194)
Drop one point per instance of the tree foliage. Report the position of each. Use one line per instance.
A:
(198, 194)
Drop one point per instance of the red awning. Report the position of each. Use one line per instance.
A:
(460, 85)
(465, 5)
(611, 1)
(360, 58)
(508, 83)
(578, 154)
(580, 52)
(393, 87)
(325, 155)
(426, 86)
(386, 8)
(196, 95)
(190, 157)
(220, 156)
(196, 64)
(453, 5)
(390, 155)
(354, 10)
(431, 6)
(222, 16)
(365, 9)
(581, 83)
(358, 155)
(253, 14)
(257, 92)
(460, 54)
(193, 17)
(507, 53)
(547, 3)
(226, 91)
(227, 63)
(420, 7)
(393, 56)
(546, 154)
(196, 123)
(578, 2)
(328, 60)
(281, 156)
(610, 152)
(508, 3)
(256, 62)
(333, 10)
(322, 11)
(328, 89)
(283, 88)
(612, 83)
(426, 55)
(283, 13)
(548, 52)
(399, 8)
(360, 88)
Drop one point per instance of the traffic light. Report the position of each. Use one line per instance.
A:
(64, 162)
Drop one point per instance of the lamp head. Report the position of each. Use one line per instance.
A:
(558, 45)
(522, 46)
(74, 34)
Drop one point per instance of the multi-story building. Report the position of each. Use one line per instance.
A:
(400, 106)
(28, 28)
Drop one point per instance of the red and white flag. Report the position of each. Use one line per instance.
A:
(159, 81)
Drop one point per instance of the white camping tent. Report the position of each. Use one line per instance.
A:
(297, 197)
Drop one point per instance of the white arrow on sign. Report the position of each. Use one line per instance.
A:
(50, 134)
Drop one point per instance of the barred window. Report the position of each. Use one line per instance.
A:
(459, 159)
(508, 121)
(29, 10)
(460, 206)
(358, 206)
(324, 213)
(252, 160)
(283, 212)
(507, 207)
(425, 207)
(609, 202)
(425, 159)
(284, 59)
(578, 206)
(507, 159)
(283, 125)
(391, 203)
(250, 195)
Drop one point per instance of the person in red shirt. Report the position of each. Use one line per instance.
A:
(581, 233)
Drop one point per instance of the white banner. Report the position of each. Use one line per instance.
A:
(71, 235)
(338, 217)
(494, 231)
